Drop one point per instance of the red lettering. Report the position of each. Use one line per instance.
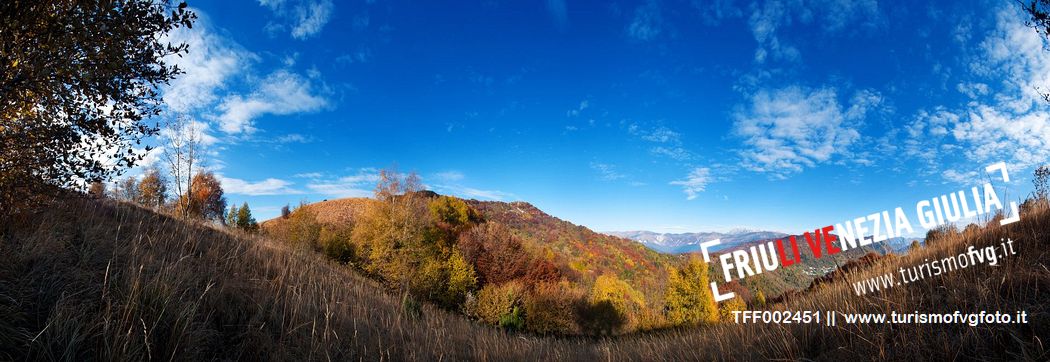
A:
(794, 247)
(814, 245)
(830, 240)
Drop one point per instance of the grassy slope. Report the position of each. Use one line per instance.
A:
(110, 281)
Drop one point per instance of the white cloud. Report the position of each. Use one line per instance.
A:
(694, 183)
(924, 138)
(835, 16)
(270, 186)
(675, 153)
(281, 93)
(647, 23)
(659, 134)
(292, 138)
(972, 90)
(967, 177)
(200, 130)
(210, 62)
(1008, 123)
(360, 184)
(764, 22)
(606, 171)
(714, 11)
(306, 17)
(473, 193)
(576, 111)
(788, 129)
(308, 175)
(449, 176)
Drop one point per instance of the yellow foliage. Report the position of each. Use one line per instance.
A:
(461, 276)
(625, 300)
(688, 299)
(725, 310)
(550, 309)
(760, 299)
(495, 301)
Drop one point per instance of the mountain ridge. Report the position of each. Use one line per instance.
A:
(682, 243)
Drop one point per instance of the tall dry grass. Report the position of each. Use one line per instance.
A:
(92, 280)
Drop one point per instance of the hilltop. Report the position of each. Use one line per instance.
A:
(579, 253)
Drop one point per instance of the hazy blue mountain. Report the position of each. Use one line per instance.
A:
(679, 243)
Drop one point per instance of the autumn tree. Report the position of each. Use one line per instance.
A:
(127, 189)
(551, 308)
(182, 149)
(97, 189)
(461, 278)
(205, 201)
(78, 83)
(619, 304)
(391, 231)
(497, 254)
(1041, 182)
(153, 189)
(688, 298)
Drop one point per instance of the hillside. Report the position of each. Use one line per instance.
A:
(579, 252)
(91, 280)
(583, 255)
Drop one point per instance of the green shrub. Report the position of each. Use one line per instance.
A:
(514, 321)
(335, 243)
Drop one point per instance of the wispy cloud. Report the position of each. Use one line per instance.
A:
(606, 171)
(786, 130)
(280, 93)
(695, 182)
(769, 17)
(1012, 126)
(308, 175)
(360, 184)
(658, 134)
(306, 18)
(675, 153)
(584, 104)
(473, 193)
(212, 61)
(713, 12)
(647, 23)
(270, 186)
(293, 138)
(449, 176)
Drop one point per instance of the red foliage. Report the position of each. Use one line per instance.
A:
(542, 271)
(497, 255)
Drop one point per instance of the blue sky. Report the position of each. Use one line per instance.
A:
(658, 115)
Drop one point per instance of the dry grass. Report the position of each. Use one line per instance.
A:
(99, 280)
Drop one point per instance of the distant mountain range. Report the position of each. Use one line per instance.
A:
(690, 242)
(681, 243)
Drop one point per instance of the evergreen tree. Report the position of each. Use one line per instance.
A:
(245, 220)
(231, 217)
